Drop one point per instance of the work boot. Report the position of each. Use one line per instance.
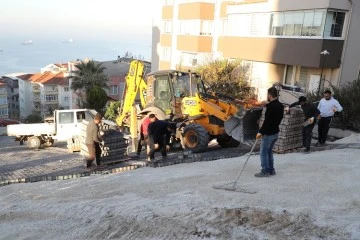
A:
(262, 174)
(272, 173)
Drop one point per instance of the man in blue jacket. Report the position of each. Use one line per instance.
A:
(269, 132)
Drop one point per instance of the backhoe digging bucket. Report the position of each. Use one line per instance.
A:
(243, 126)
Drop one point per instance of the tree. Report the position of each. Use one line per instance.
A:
(112, 111)
(89, 75)
(226, 78)
(96, 99)
(34, 118)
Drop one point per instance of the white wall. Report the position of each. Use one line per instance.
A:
(351, 59)
(25, 98)
(62, 95)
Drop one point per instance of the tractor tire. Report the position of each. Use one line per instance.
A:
(33, 142)
(227, 141)
(196, 138)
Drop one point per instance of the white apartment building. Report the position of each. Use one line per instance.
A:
(295, 43)
(42, 93)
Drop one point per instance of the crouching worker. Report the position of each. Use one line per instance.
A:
(311, 113)
(159, 133)
(93, 141)
(144, 132)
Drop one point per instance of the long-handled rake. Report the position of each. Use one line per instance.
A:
(231, 186)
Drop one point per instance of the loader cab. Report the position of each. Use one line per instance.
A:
(169, 88)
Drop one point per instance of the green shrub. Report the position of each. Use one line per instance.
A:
(347, 95)
(34, 119)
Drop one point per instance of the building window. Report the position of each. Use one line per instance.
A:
(51, 98)
(166, 54)
(168, 2)
(66, 89)
(114, 90)
(303, 78)
(289, 75)
(206, 27)
(334, 24)
(4, 111)
(3, 100)
(168, 27)
(66, 99)
(189, 59)
(190, 27)
(224, 28)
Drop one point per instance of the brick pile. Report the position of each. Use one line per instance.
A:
(290, 135)
(114, 145)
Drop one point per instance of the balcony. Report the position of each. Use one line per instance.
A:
(287, 51)
(50, 102)
(196, 10)
(36, 89)
(190, 43)
(164, 65)
(165, 40)
(167, 12)
(36, 100)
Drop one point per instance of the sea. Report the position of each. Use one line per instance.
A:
(29, 56)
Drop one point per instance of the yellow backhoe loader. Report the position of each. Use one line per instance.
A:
(181, 97)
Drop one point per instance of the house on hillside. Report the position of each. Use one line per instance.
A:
(116, 70)
(56, 67)
(12, 88)
(300, 44)
(4, 110)
(42, 93)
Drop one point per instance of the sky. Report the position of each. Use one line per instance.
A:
(100, 29)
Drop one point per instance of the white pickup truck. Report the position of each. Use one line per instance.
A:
(67, 125)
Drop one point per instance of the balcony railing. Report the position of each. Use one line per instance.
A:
(37, 100)
(36, 89)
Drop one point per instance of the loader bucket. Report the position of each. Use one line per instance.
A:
(234, 128)
(243, 126)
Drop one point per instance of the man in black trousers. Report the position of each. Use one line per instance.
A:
(311, 113)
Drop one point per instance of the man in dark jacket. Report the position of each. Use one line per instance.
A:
(311, 113)
(269, 132)
(159, 133)
(93, 141)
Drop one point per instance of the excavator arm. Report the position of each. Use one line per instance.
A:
(134, 84)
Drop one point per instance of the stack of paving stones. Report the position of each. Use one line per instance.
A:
(290, 135)
(114, 147)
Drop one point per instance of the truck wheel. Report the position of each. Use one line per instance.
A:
(196, 138)
(33, 142)
(49, 143)
(227, 141)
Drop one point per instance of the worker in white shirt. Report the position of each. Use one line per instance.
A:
(328, 106)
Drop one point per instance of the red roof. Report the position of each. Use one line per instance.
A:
(47, 78)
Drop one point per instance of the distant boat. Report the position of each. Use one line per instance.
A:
(28, 42)
(69, 41)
